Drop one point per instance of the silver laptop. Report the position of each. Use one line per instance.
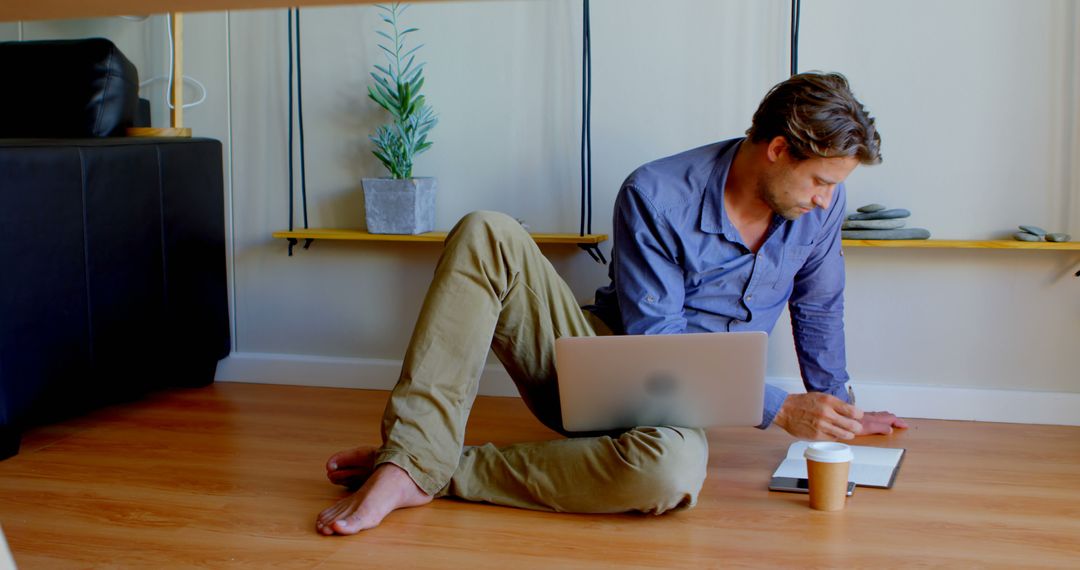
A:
(687, 380)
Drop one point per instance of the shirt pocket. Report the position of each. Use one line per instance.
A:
(791, 262)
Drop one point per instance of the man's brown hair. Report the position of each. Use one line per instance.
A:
(818, 116)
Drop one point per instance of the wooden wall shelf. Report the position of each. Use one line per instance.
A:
(589, 242)
(963, 244)
(430, 237)
(593, 239)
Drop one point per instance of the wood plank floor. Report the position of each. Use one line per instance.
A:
(232, 476)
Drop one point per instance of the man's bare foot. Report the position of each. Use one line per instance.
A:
(388, 488)
(351, 467)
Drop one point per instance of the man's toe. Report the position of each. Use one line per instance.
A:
(347, 476)
(340, 459)
(330, 515)
(349, 458)
(349, 525)
(334, 462)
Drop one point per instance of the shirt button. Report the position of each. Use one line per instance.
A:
(748, 297)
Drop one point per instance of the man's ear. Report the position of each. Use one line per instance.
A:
(777, 146)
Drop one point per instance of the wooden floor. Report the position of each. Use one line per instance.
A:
(232, 476)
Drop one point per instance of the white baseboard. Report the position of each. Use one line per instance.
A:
(909, 401)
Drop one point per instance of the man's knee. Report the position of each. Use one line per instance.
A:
(669, 467)
(486, 224)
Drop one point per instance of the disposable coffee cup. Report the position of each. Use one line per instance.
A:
(827, 465)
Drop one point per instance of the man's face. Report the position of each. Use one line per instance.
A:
(794, 187)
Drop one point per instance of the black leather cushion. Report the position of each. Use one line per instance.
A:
(66, 89)
(113, 278)
(44, 329)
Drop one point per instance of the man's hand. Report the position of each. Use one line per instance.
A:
(881, 423)
(819, 416)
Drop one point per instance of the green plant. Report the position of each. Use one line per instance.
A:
(397, 89)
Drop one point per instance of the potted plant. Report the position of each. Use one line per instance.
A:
(400, 204)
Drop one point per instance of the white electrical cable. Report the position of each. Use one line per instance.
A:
(192, 80)
(172, 66)
(187, 79)
(172, 63)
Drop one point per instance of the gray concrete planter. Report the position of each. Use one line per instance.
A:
(399, 206)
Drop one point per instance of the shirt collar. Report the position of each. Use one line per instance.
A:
(713, 218)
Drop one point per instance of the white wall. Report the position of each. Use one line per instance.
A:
(976, 102)
(505, 78)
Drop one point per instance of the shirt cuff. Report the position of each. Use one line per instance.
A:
(774, 398)
(843, 392)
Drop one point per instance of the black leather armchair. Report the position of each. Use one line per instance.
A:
(112, 249)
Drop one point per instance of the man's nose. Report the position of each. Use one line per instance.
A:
(823, 200)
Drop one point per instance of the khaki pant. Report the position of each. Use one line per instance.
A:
(493, 288)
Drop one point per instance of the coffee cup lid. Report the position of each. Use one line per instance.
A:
(828, 452)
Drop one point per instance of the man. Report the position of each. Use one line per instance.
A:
(717, 238)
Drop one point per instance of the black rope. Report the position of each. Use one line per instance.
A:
(586, 124)
(300, 112)
(584, 111)
(290, 126)
(588, 113)
(586, 137)
(796, 9)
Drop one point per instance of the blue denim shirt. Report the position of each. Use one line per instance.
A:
(679, 266)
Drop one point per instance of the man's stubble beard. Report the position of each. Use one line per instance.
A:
(790, 213)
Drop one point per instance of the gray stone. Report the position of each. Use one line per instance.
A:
(871, 208)
(906, 233)
(1033, 230)
(882, 215)
(1024, 236)
(399, 206)
(1058, 237)
(874, 225)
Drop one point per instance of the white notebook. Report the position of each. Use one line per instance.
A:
(872, 466)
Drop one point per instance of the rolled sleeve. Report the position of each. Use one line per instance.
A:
(774, 399)
(817, 310)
